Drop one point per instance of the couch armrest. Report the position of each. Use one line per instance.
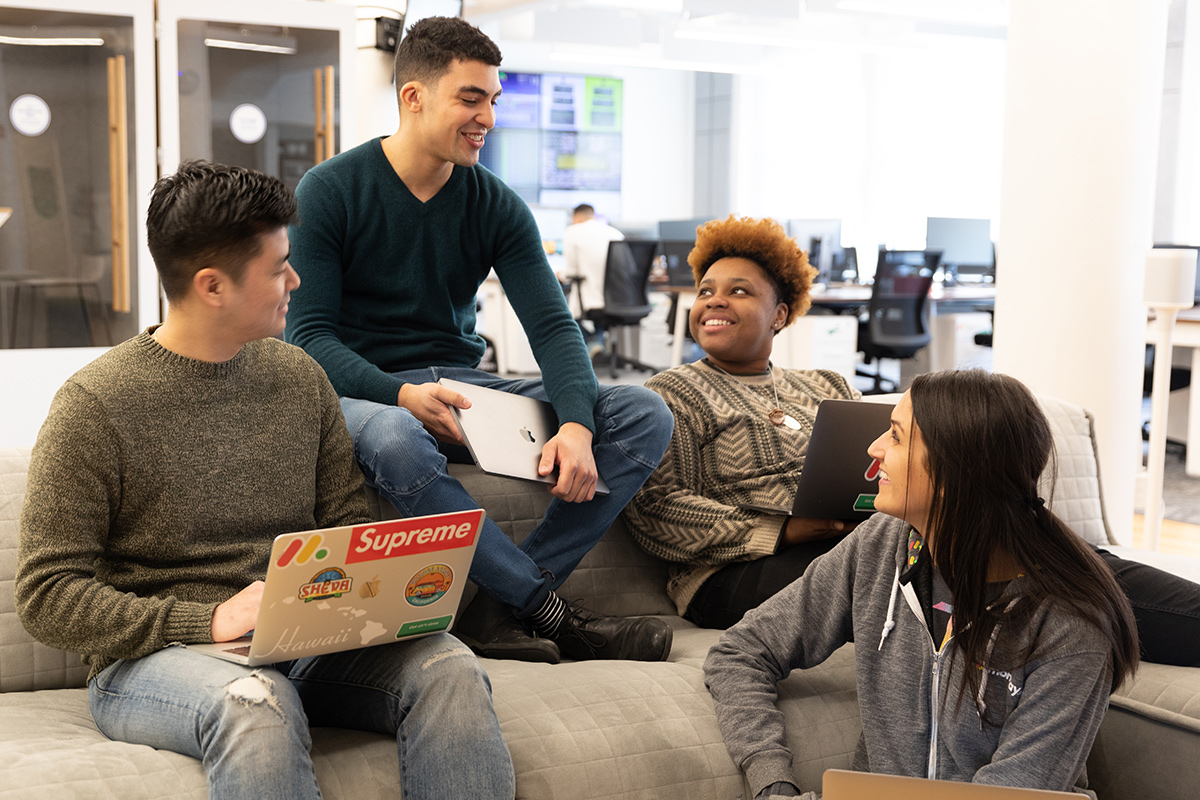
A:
(25, 663)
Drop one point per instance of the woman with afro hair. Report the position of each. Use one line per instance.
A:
(729, 450)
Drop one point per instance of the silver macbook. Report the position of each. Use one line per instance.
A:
(505, 432)
(839, 479)
(838, 784)
(357, 586)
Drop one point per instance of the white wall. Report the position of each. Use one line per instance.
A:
(879, 138)
(656, 147)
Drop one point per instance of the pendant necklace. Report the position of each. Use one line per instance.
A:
(776, 414)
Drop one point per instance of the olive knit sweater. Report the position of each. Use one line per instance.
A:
(725, 453)
(157, 484)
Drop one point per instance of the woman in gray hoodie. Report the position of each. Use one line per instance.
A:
(988, 635)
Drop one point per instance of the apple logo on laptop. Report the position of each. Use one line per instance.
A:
(525, 434)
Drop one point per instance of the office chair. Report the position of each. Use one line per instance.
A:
(897, 323)
(625, 304)
(88, 277)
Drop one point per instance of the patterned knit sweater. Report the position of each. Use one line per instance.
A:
(725, 453)
(157, 484)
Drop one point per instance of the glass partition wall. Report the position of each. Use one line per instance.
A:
(76, 90)
(237, 87)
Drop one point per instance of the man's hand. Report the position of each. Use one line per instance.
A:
(430, 404)
(237, 616)
(809, 530)
(571, 451)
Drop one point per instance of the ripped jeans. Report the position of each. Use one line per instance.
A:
(250, 725)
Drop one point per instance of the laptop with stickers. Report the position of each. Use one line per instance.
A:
(505, 432)
(838, 784)
(358, 586)
(839, 479)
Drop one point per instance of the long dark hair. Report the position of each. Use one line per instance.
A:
(988, 443)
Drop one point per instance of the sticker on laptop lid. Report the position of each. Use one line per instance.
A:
(423, 626)
(428, 585)
(329, 582)
(865, 502)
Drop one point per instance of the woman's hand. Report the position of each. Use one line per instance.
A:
(800, 529)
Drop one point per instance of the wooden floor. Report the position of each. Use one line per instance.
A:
(1175, 537)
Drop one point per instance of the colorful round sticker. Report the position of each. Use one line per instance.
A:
(428, 585)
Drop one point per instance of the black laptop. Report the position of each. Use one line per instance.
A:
(839, 479)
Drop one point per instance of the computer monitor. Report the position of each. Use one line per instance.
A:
(966, 245)
(1184, 247)
(676, 252)
(822, 240)
(907, 263)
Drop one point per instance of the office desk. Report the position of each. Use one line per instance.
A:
(1186, 334)
(943, 299)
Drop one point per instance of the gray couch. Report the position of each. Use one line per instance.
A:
(580, 730)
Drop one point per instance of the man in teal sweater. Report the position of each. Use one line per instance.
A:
(395, 238)
(163, 472)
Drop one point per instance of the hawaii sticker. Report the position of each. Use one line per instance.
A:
(327, 583)
(428, 585)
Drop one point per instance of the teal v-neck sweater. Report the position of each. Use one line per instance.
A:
(388, 283)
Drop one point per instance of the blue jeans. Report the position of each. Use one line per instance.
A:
(250, 726)
(403, 461)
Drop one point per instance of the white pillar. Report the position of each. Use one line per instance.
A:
(1082, 98)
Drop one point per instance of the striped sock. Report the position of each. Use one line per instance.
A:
(547, 619)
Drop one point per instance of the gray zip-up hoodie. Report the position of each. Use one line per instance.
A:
(908, 690)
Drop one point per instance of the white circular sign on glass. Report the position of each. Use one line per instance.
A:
(248, 123)
(30, 115)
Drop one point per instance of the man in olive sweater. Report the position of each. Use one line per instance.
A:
(395, 238)
(163, 472)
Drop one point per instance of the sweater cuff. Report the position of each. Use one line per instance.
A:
(766, 536)
(190, 623)
(767, 767)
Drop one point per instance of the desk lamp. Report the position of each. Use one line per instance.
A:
(1170, 286)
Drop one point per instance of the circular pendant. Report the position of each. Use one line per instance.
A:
(791, 422)
(777, 416)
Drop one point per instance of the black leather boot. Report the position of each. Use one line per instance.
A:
(488, 627)
(583, 635)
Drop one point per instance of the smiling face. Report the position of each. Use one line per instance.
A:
(455, 111)
(258, 301)
(736, 315)
(905, 488)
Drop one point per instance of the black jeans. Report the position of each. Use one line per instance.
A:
(1167, 607)
(728, 594)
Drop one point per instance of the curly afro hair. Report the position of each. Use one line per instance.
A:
(764, 242)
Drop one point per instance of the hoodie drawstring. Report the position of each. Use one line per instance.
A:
(891, 613)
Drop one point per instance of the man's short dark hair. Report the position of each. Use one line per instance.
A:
(434, 43)
(584, 208)
(212, 214)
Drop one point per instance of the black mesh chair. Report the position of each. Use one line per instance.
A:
(897, 323)
(626, 303)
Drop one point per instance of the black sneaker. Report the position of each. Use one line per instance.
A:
(583, 635)
(489, 628)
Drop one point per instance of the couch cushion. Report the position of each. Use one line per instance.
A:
(52, 748)
(1075, 496)
(25, 663)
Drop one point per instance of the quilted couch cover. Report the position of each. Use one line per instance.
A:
(577, 730)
